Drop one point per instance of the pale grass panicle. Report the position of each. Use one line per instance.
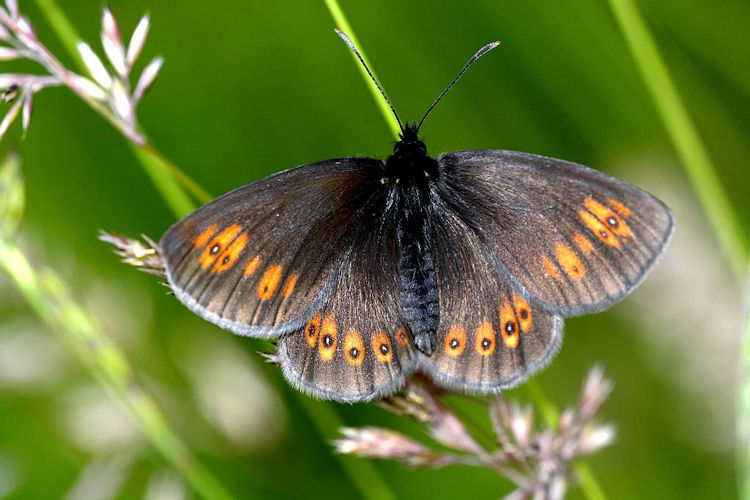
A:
(539, 461)
(107, 85)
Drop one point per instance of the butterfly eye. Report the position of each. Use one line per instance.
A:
(381, 346)
(328, 338)
(269, 282)
(311, 331)
(598, 228)
(525, 318)
(231, 254)
(509, 329)
(484, 336)
(402, 337)
(455, 341)
(212, 252)
(354, 348)
(607, 217)
(569, 262)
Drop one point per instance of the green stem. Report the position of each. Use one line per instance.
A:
(683, 133)
(50, 299)
(743, 404)
(160, 170)
(343, 24)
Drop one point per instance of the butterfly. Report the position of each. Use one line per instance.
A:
(460, 266)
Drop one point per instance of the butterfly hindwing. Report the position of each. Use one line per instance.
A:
(355, 347)
(489, 337)
(260, 260)
(573, 238)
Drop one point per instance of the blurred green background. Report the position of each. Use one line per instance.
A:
(251, 88)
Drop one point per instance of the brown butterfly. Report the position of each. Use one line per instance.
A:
(460, 266)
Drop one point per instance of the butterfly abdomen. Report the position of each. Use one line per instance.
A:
(416, 268)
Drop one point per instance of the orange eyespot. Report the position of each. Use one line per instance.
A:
(455, 341)
(608, 218)
(217, 245)
(312, 329)
(251, 266)
(269, 282)
(599, 229)
(508, 325)
(289, 285)
(203, 238)
(569, 262)
(402, 337)
(619, 207)
(550, 268)
(583, 243)
(381, 346)
(523, 311)
(229, 256)
(328, 338)
(484, 339)
(354, 348)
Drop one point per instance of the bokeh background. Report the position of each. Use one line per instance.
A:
(251, 88)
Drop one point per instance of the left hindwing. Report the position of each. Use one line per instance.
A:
(356, 346)
(574, 239)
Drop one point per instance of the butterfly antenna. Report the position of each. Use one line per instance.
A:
(471, 61)
(364, 65)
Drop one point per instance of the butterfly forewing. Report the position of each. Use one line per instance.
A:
(489, 337)
(262, 259)
(575, 239)
(355, 347)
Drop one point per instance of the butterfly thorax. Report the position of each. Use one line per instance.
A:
(409, 162)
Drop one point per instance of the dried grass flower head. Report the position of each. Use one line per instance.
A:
(107, 87)
(538, 460)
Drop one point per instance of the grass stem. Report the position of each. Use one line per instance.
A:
(684, 136)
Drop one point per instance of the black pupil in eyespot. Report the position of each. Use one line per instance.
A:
(311, 330)
(384, 348)
(454, 343)
(604, 234)
(226, 259)
(214, 249)
(612, 221)
(524, 314)
(354, 352)
(486, 344)
(510, 327)
(327, 341)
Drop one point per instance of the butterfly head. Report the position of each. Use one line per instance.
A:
(409, 159)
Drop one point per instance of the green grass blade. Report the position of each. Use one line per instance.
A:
(343, 24)
(743, 404)
(49, 297)
(683, 133)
